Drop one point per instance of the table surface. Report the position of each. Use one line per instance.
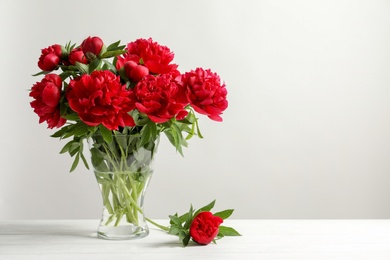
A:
(261, 239)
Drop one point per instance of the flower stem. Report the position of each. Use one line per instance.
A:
(157, 225)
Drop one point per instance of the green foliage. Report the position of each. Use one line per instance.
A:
(106, 134)
(113, 50)
(174, 130)
(75, 147)
(227, 231)
(224, 214)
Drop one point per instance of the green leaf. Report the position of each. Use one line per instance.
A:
(228, 231)
(208, 207)
(67, 74)
(169, 135)
(106, 134)
(41, 73)
(66, 147)
(148, 133)
(81, 148)
(75, 162)
(191, 132)
(186, 239)
(110, 66)
(224, 214)
(177, 132)
(72, 116)
(184, 217)
(97, 159)
(178, 140)
(121, 139)
(60, 132)
(197, 128)
(113, 46)
(94, 65)
(83, 68)
(74, 147)
(110, 54)
(189, 218)
(139, 155)
(219, 236)
(79, 129)
(175, 220)
(174, 230)
(153, 130)
(182, 235)
(189, 119)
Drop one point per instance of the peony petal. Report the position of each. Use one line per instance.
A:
(128, 120)
(98, 111)
(88, 120)
(182, 114)
(215, 118)
(158, 119)
(51, 95)
(198, 109)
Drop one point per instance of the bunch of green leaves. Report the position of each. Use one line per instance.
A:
(145, 132)
(180, 225)
(75, 147)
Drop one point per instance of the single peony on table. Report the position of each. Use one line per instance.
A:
(120, 98)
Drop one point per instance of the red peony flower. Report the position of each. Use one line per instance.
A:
(47, 94)
(77, 55)
(91, 47)
(100, 98)
(155, 57)
(205, 92)
(205, 227)
(160, 98)
(50, 58)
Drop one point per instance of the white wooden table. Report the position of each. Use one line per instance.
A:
(262, 239)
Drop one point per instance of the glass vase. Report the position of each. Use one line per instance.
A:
(123, 169)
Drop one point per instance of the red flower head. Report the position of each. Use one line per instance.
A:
(205, 92)
(160, 98)
(100, 98)
(50, 58)
(91, 47)
(146, 53)
(47, 98)
(205, 227)
(77, 55)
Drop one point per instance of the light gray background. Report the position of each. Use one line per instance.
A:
(306, 135)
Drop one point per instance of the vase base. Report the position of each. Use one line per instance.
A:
(122, 232)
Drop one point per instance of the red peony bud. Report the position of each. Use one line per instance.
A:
(129, 66)
(138, 73)
(50, 58)
(92, 47)
(77, 55)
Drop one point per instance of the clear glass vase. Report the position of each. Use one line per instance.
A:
(123, 170)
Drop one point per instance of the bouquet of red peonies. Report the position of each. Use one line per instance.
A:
(120, 98)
